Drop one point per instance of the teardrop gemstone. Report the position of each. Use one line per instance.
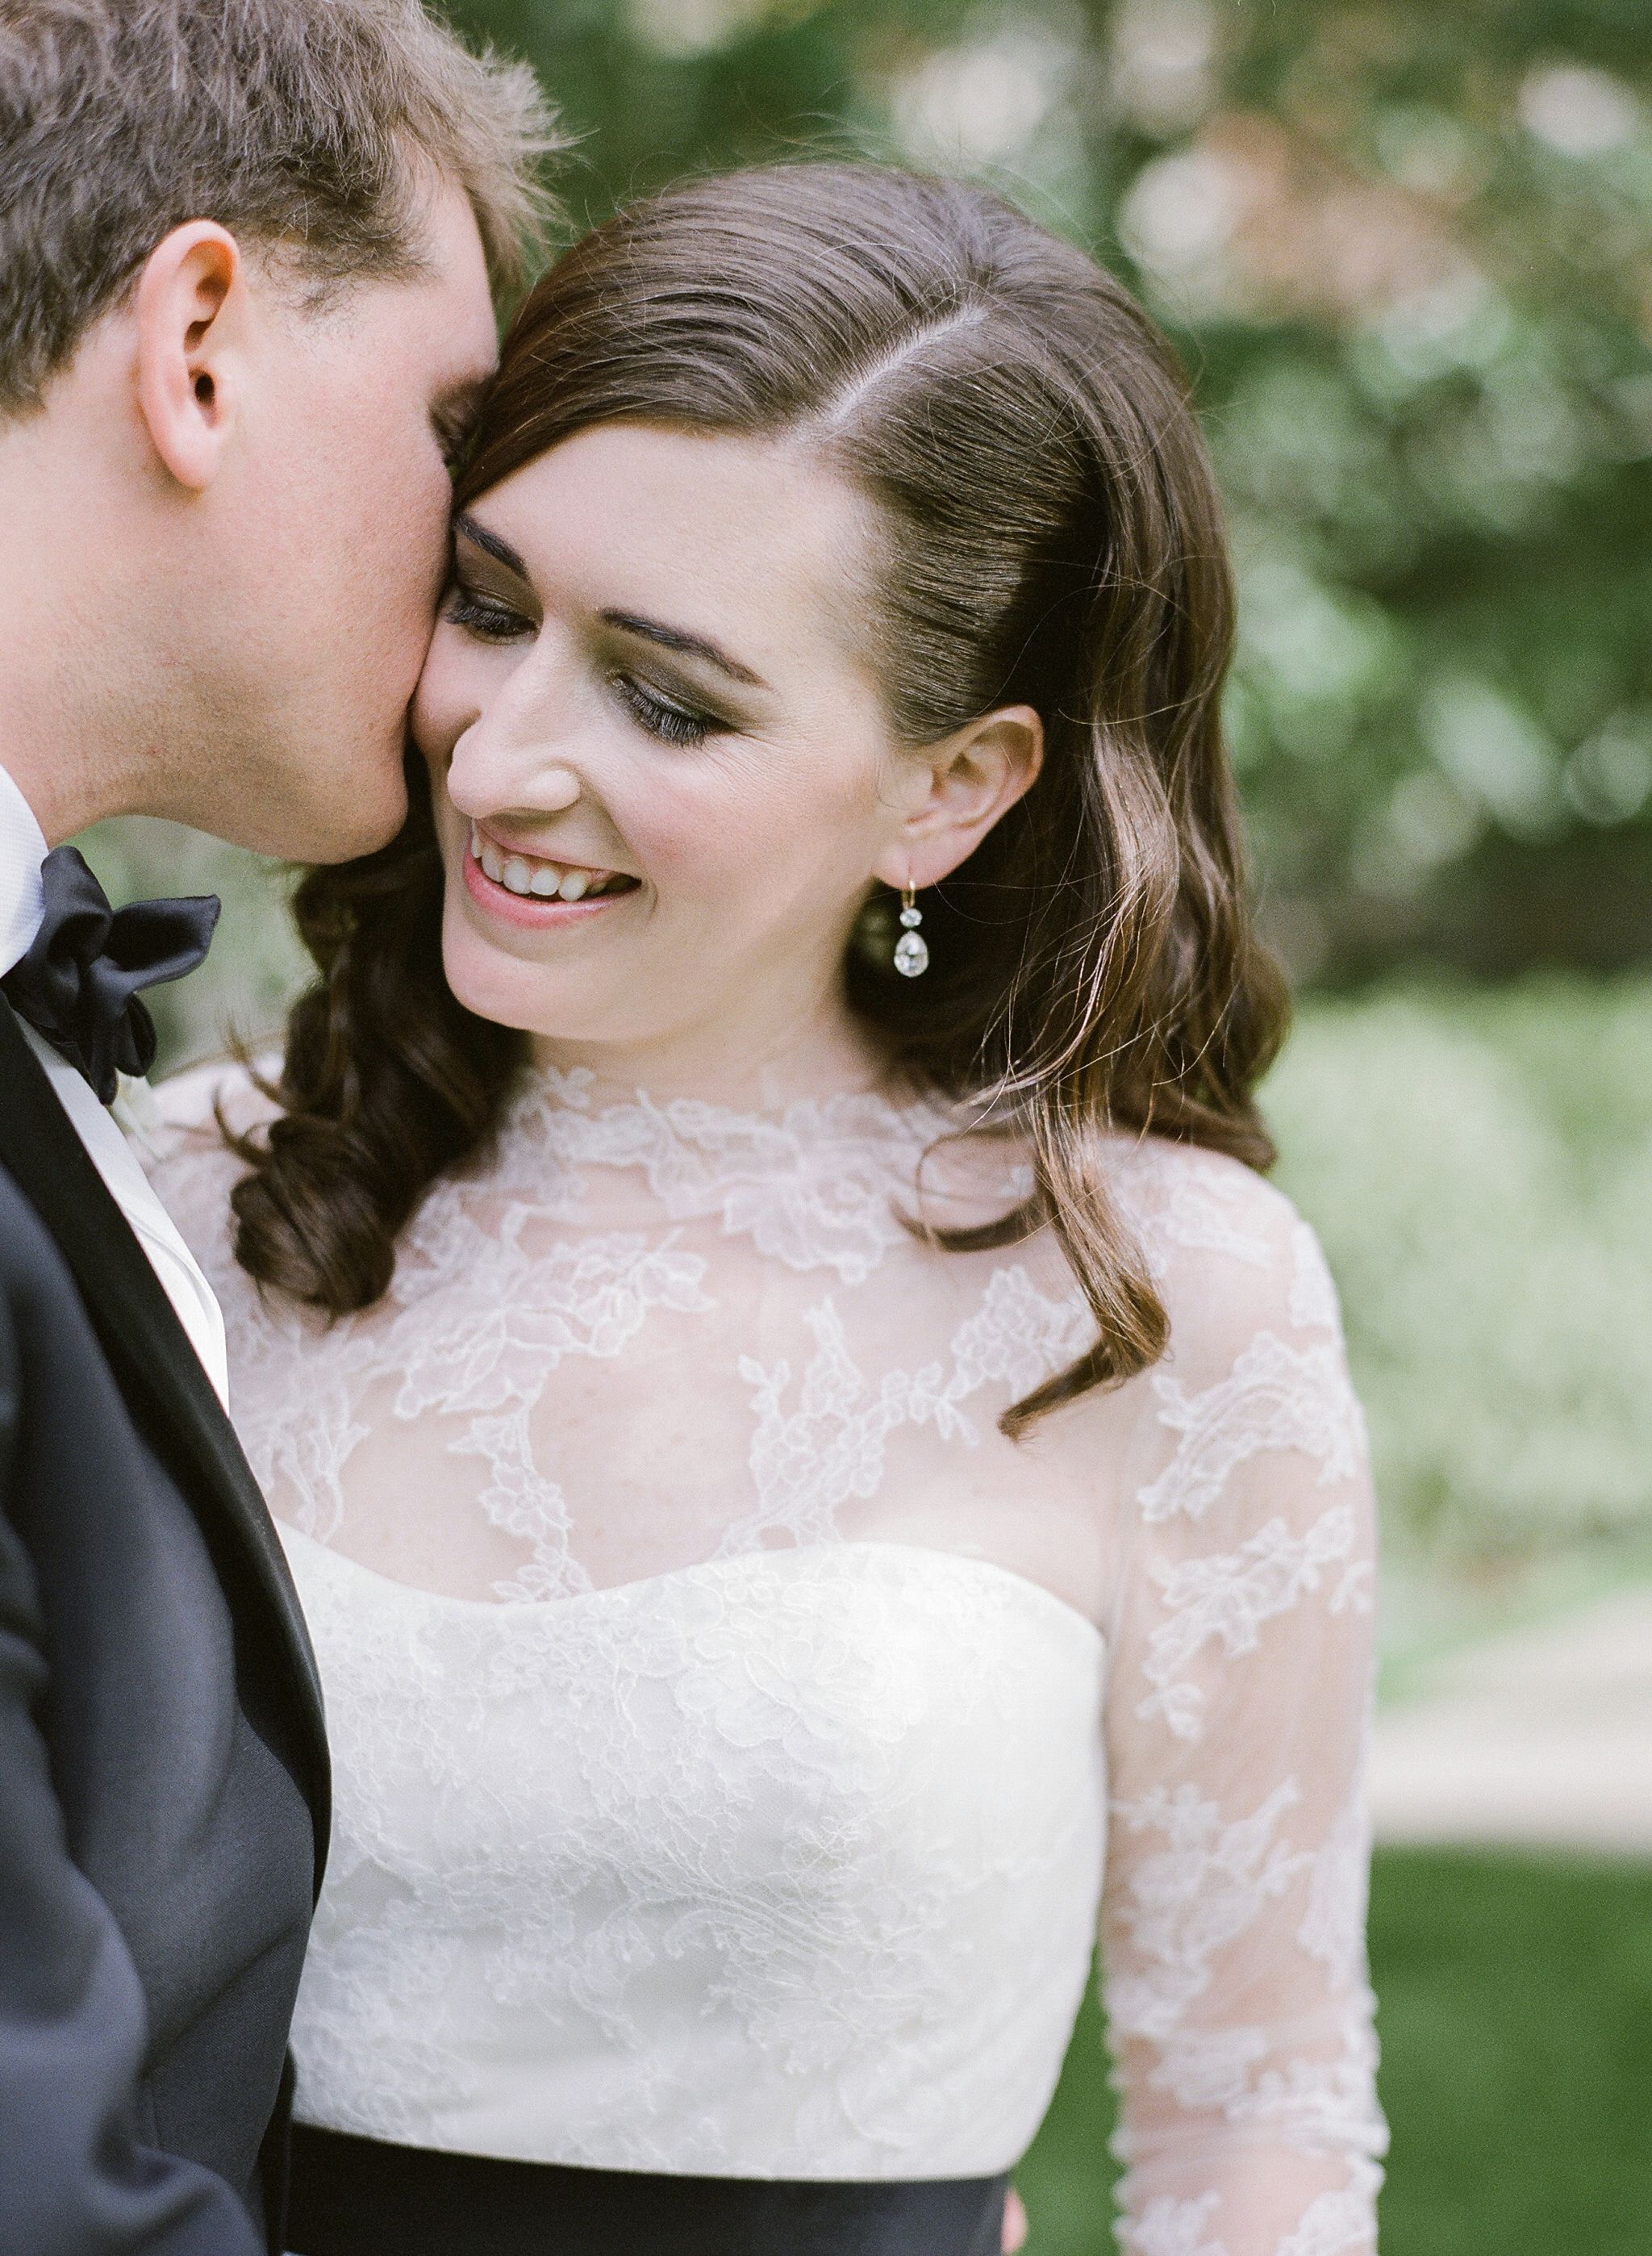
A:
(911, 955)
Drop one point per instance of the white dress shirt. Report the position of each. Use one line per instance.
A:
(23, 849)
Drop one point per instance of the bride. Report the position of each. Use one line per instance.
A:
(817, 1468)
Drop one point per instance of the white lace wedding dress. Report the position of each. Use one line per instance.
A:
(736, 1738)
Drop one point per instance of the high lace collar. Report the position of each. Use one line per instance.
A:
(570, 1103)
(820, 1180)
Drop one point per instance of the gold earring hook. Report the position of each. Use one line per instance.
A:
(911, 952)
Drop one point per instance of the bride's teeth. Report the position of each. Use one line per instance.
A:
(547, 881)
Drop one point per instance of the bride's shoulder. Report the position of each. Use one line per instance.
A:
(1254, 1358)
(1230, 1253)
(1189, 1196)
(1254, 1364)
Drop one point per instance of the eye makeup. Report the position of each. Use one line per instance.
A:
(490, 596)
(671, 724)
(480, 614)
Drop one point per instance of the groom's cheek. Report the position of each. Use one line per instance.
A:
(410, 566)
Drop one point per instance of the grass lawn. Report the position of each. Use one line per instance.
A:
(1515, 2002)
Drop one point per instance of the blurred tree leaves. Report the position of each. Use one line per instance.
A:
(1407, 252)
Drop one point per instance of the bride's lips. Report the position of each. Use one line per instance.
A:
(530, 912)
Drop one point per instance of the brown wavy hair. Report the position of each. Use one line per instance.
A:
(1048, 532)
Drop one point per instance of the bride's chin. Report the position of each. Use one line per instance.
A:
(527, 997)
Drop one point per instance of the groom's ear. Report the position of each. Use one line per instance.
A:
(190, 311)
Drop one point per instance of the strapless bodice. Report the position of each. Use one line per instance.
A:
(783, 1866)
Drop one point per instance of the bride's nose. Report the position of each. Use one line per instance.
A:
(484, 780)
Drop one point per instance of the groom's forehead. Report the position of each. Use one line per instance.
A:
(451, 247)
(438, 315)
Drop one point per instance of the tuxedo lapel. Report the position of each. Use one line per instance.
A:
(153, 1357)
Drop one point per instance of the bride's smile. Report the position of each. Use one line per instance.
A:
(541, 892)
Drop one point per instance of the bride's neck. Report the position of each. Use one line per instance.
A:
(751, 1066)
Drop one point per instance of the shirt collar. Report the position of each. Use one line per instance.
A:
(23, 849)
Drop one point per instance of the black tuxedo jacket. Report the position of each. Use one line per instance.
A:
(163, 1768)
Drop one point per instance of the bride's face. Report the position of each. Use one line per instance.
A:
(663, 772)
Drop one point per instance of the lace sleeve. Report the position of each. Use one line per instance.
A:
(1233, 1907)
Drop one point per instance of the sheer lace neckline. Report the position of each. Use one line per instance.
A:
(551, 1087)
(820, 1180)
(567, 1114)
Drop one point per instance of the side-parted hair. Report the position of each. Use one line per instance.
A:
(1048, 532)
(305, 124)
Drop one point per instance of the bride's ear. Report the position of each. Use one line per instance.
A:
(189, 311)
(953, 792)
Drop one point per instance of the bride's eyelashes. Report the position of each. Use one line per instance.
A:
(483, 615)
(672, 724)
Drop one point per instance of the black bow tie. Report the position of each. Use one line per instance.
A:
(78, 984)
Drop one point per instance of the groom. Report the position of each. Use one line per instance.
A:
(246, 249)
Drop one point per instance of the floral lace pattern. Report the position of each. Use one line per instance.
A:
(738, 1739)
(650, 1840)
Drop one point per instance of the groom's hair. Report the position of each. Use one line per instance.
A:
(303, 125)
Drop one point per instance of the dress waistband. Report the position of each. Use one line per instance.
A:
(352, 2196)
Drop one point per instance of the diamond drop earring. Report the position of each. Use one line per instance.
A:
(912, 951)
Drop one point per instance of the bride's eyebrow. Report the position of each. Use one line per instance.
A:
(466, 528)
(678, 638)
(675, 638)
